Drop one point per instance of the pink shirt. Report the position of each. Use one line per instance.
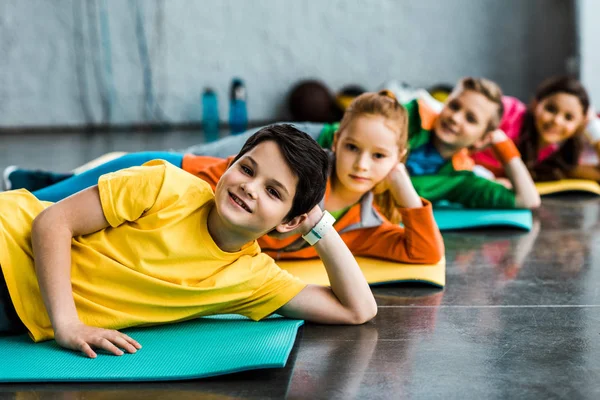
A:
(512, 123)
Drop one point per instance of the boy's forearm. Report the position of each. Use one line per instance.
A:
(345, 276)
(526, 193)
(52, 254)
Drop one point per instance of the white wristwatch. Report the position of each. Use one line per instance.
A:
(320, 229)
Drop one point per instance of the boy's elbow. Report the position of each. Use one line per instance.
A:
(40, 222)
(530, 203)
(363, 316)
(47, 222)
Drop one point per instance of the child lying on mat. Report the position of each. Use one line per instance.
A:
(369, 190)
(550, 133)
(153, 244)
(439, 162)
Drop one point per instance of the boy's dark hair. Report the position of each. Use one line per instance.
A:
(305, 158)
(567, 157)
(487, 88)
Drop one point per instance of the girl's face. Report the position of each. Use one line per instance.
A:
(558, 117)
(465, 119)
(365, 152)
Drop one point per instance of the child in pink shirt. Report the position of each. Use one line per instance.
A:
(550, 133)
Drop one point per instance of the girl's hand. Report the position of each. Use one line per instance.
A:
(591, 114)
(80, 337)
(592, 128)
(398, 174)
(399, 183)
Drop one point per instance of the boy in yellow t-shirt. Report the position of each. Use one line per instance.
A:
(153, 244)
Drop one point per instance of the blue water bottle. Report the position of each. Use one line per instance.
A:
(238, 114)
(210, 115)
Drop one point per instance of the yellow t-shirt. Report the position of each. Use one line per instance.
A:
(157, 263)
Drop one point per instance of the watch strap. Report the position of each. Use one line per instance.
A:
(320, 229)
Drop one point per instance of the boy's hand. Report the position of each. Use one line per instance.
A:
(312, 218)
(489, 139)
(80, 337)
(498, 136)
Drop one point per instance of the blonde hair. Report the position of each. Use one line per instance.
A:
(384, 104)
(489, 89)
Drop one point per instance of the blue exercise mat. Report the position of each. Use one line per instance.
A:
(461, 218)
(194, 349)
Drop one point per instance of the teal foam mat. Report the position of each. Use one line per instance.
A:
(461, 218)
(194, 349)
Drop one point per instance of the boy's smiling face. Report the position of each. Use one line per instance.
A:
(255, 194)
(465, 119)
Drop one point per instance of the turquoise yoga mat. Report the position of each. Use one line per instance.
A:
(461, 218)
(194, 349)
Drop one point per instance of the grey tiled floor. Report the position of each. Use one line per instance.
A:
(519, 318)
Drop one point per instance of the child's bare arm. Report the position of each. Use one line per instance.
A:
(592, 129)
(402, 189)
(589, 171)
(526, 194)
(349, 300)
(51, 236)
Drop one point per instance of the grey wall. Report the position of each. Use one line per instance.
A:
(589, 35)
(57, 67)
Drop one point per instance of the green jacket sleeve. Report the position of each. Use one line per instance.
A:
(464, 188)
(414, 119)
(325, 139)
(417, 136)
